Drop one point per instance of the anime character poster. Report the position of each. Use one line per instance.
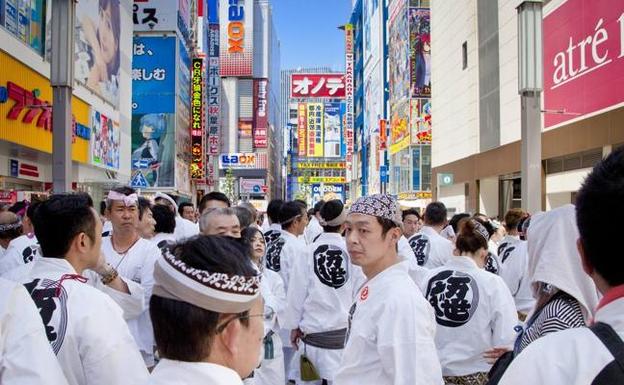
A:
(96, 41)
(105, 141)
(153, 148)
(420, 52)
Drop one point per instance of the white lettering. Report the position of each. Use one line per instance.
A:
(560, 69)
(621, 21)
(599, 40)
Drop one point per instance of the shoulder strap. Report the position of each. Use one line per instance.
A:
(611, 341)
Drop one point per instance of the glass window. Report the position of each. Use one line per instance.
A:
(426, 167)
(26, 20)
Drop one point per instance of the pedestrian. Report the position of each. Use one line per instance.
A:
(391, 326)
(18, 238)
(187, 211)
(432, 249)
(474, 309)
(508, 243)
(314, 228)
(164, 228)
(147, 222)
(515, 272)
(213, 199)
(220, 221)
(205, 332)
(184, 228)
(272, 236)
(588, 355)
(412, 222)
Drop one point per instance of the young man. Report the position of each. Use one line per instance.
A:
(187, 211)
(320, 294)
(211, 293)
(184, 228)
(85, 328)
(508, 243)
(220, 221)
(213, 200)
(411, 222)
(432, 249)
(273, 236)
(580, 355)
(133, 257)
(391, 326)
(314, 228)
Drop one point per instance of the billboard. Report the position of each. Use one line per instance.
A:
(105, 141)
(420, 52)
(153, 74)
(330, 85)
(153, 148)
(197, 120)
(399, 129)
(154, 15)
(398, 52)
(301, 129)
(349, 95)
(321, 165)
(239, 160)
(214, 91)
(420, 121)
(251, 186)
(261, 110)
(373, 99)
(332, 120)
(315, 130)
(583, 59)
(96, 42)
(236, 41)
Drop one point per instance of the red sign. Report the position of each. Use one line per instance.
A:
(261, 110)
(583, 59)
(8, 197)
(35, 108)
(317, 86)
(197, 120)
(301, 129)
(28, 170)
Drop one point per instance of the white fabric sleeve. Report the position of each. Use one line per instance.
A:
(297, 291)
(504, 318)
(26, 355)
(132, 304)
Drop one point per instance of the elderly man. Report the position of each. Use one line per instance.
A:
(220, 221)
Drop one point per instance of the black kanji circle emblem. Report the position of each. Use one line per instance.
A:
(421, 246)
(491, 264)
(454, 296)
(331, 265)
(29, 253)
(275, 243)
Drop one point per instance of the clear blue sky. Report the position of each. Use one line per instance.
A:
(307, 30)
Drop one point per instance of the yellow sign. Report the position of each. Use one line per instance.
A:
(321, 179)
(323, 165)
(315, 129)
(25, 118)
(415, 195)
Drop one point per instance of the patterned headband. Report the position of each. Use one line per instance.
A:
(378, 205)
(481, 230)
(218, 292)
(11, 226)
(128, 200)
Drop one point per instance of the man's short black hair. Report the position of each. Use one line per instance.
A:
(331, 210)
(59, 219)
(213, 196)
(435, 214)
(144, 204)
(599, 213)
(411, 211)
(182, 331)
(102, 207)
(165, 219)
(183, 205)
(30, 211)
(318, 206)
(454, 222)
(274, 209)
(290, 211)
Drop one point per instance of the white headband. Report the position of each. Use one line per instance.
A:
(128, 200)
(339, 220)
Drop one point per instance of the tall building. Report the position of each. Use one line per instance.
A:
(477, 130)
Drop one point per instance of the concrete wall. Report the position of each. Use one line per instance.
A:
(454, 198)
(488, 197)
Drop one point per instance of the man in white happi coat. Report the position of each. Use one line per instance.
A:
(184, 228)
(432, 249)
(320, 294)
(273, 235)
(133, 257)
(26, 357)
(512, 236)
(314, 228)
(391, 326)
(208, 289)
(84, 326)
(592, 355)
(213, 200)
(18, 239)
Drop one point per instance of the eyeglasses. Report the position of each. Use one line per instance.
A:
(267, 316)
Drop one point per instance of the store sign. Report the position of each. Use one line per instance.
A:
(349, 97)
(321, 179)
(321, 165)
(327, 188)
(8, 197)
(238, 160)
(330, 85)
(261, 111)
(315, 129)
(153, 74)
(154, 15)
(197, 120)
(236, 37)
(583, 59)
(415, 195)
(252, 186)
(301, 129)
(214, 90)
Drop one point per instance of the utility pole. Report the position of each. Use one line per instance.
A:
(61, 80)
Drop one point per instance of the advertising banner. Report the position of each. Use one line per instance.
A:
(420, 52)
(330, 85)
(197, 120)
(243, 161)
(315, 130)
(153, 74)
(105, 141)
(261, 109)
(321, 165)
(399, 129)
(97, 54)
(183, 105)
(214, 91)
(252, 186)
(398, 52)
(154, 15)
(321, 179)
(348, 116)
(153, 148)
(333, 130)
(302, 121)
(236, 41)
(583, 59)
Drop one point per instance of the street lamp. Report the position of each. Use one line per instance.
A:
(530, 79)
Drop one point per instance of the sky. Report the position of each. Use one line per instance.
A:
(308, 33)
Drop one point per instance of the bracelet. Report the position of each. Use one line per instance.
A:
(109, 276)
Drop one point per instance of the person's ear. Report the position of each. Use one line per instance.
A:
(587, 266)
(229, 336)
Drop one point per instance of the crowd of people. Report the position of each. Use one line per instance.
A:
(147, 291)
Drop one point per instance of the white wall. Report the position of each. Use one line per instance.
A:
(559, 186)
(453, 198)
(454, 91)
(488, 196)
(508, 59)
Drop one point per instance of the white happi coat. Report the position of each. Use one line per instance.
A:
(391, 334)
(474, 311)
(431, 249)
(184, 228)
(417, 272)
(21, 250)
(138, 266)
(291, 249)
(569, 357)
(25, 354)
(313, 230)
(320, 293)
(170, 372)
(505, 246)
(84, 326)
(515, 273)
(163, 239)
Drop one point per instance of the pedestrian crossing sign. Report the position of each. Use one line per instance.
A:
(138, 180)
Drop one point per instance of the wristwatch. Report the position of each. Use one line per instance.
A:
(109, 275)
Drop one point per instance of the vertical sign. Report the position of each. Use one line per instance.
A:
(348, 127)
(214, 99)
(301, 129)
(197, 121)
(420, 52)
(315, 129)
(236, 17)
(261, 121)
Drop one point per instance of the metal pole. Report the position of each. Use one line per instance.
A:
(61, 80)
(531, 152)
